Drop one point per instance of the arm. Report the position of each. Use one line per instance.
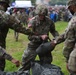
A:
(69, 41)
(16, 25)
(60, 38)
(53, 30)
(5, 55)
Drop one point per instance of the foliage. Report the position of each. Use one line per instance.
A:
(59, 2)
(12, 1)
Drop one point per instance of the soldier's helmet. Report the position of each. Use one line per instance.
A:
(41, 9)
(71, 2)
(5, 1)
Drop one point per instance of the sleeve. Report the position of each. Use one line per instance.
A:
(7, 56)
(2, 51)
(4, 54)
(60, 38)
(69, 41)
(16, 25)
(53, 30)
(70, 37)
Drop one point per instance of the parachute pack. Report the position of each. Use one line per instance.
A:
(15, 73)
(45, 69)
(44, 48)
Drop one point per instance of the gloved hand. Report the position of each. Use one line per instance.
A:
(16, 62)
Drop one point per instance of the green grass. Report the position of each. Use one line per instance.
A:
(16, 49)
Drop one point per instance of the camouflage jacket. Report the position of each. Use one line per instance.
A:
(70, 35)
(32, 14)
(42, 27)
(6, 22)
(22, 16)
(3, 54)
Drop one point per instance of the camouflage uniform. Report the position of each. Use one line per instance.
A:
(32, 14)
(69, 36)
(3, 54)
(6, 22)
(23, 17)
(69, 48)
(40, 28)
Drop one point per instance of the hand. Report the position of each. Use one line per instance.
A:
(16, 62)
(53, 42)
(44, 37)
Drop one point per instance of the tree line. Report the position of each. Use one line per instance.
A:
(52, 2)
(59, 2)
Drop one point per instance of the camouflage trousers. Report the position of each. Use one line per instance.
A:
(14, 73)
(66, 53)
(72, 61)
(70, 55)
(30, 55)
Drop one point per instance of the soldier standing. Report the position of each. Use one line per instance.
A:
(6, 22)
(69, 50)
(22, 16)
(70, 41)
(40, 25)
(32, 14)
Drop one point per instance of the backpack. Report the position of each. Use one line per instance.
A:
(45, 69)
(14, 73)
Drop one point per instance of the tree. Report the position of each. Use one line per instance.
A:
(59, 2)
(33, 2)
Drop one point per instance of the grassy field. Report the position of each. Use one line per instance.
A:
(16, 49)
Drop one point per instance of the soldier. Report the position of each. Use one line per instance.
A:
(69, 50)
(70, 41)
(22, 16)
(40, 25)
(32, 13)
(6, 22)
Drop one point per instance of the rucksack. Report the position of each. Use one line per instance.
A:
(45, 69)
(44, 48)
(14, 73)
